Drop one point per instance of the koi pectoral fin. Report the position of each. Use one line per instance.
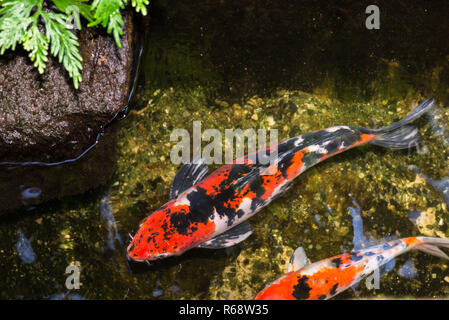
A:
(229, 238)
(189, 175)
(298, 260)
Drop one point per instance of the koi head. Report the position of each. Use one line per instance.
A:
(169, 231)
(144, 245)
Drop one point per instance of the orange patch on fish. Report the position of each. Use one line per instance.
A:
(297, 164)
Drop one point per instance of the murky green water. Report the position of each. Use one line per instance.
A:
(259, 64)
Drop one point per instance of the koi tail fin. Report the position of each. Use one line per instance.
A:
(401, 135)
(430, 245)
(400, 138)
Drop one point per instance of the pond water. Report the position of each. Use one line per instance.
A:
(262, 65)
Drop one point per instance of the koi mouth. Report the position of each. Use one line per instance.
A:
(147, 260)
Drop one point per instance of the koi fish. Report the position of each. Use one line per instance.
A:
(329, 277)
(210, 212)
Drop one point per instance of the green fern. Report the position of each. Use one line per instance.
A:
(14, 21)
(140, 6)
(20, 20)
(64, 44)
(107, 13)
(36, 44)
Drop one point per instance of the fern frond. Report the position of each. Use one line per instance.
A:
(73, 6)
(14, 21)
(140, 6)
(63, 44)
(36, 44)
(20, 19)
(107, 14)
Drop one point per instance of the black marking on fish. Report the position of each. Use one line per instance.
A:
(311, 158)
(337, 262)
(333, 146)
(334, 289)
(356, 257)
(387, 246)
(301, 289)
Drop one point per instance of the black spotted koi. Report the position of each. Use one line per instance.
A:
(210, 212)
(327, 278)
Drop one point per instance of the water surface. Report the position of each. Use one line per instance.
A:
(261, 65)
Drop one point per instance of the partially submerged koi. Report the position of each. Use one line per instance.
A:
(329, 277)
(210, 212)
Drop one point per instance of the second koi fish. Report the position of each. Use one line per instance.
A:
(329, 277)
(210, 212)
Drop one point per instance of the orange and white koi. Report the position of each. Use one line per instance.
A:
(329, 277)
(211, 212)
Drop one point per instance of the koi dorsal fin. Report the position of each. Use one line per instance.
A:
(189, 175)
(229, 238)
(298, 260)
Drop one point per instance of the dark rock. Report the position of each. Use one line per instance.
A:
(42, 111)
(44, 119)
(53, 182)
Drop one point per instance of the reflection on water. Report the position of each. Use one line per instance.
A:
(359, 240)
(414, 216)
(441, 185)
(31, 193)
(107, 214)
(318, 221)
(66, 296)
(434, 118)
(24, 249)
(408, 270)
